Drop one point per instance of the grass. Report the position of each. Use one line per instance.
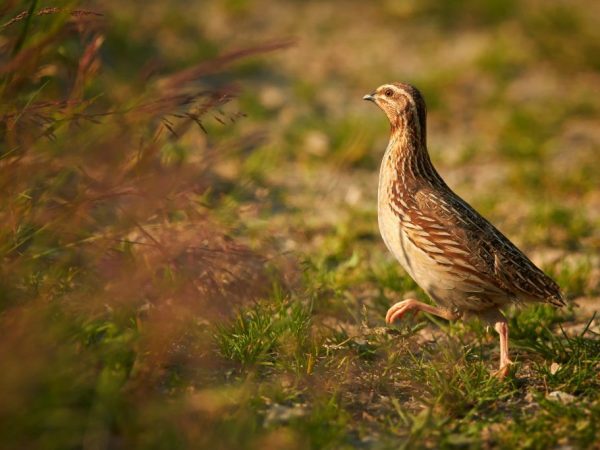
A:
(277, 327)
(190, 255)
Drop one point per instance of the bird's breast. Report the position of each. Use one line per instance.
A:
(394, 225)
(392, 222)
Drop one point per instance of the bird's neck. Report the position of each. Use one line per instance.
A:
(407, 155)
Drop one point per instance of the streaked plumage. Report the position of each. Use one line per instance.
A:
(458, 257)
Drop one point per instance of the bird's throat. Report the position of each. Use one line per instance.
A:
(408, 157)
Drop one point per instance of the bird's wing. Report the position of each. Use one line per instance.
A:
(463, 236)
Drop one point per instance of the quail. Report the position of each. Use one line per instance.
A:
(455, 255)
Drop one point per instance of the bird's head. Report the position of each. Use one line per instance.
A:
(404, 106)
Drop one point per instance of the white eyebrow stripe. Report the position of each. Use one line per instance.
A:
(411, 101)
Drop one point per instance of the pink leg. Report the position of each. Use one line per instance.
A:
(411, 305)
(501, 328)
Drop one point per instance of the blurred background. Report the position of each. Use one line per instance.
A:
(190, 253)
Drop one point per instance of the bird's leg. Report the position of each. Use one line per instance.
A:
(401, 308)
(501, 327)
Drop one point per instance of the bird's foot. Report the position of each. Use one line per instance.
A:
(504, 369)
(398, 310)
(401, 308)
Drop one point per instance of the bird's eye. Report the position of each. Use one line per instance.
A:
(388, 92)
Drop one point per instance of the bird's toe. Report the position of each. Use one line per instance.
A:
(504, 370)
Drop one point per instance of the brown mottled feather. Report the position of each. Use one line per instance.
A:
(483, 249)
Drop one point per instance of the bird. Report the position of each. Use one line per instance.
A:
(463, 262)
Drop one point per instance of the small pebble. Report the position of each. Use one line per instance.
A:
(561, 397)
(281, 414)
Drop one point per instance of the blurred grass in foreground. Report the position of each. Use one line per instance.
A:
(111, 257)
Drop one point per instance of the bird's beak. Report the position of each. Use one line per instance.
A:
(370, 97)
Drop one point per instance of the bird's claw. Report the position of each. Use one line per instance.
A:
(504, 370)
(398, 310)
